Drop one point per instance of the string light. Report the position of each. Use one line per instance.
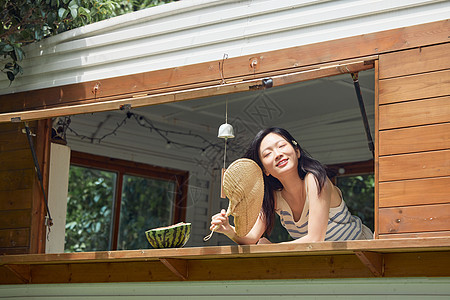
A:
(167, 135)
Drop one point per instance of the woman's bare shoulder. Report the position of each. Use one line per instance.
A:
(311, 182)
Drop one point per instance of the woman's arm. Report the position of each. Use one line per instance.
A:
(252, 237)
(319, 207)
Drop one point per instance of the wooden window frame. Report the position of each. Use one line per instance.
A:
(351, 169)
(124, 167)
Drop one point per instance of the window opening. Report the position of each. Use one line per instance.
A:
(110, 205)
(322, 113)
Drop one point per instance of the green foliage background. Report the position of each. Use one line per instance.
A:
(89, 209)
(359, 196)
(27, 21)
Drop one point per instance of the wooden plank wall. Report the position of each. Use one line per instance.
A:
(20, 197)
(16, 189)
(414, 142)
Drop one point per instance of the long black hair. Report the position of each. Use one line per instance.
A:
(306, 164)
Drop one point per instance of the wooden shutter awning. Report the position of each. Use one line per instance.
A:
(228, 86)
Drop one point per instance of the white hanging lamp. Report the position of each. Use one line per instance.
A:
(225, 132)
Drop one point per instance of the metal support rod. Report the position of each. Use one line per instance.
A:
(38, 173)
(363, 113)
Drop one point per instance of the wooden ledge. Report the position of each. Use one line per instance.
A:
(351, 259)
(247, 251)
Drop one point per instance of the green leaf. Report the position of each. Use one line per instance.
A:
(13, 55)
(51, 18)
(38, 34)
(17, 69)
(8, 48)
(19, 53)
(9, 66)
(61, 13)
(97, 227)
(73, 12)
(11, 76)
(85, 12)
(73, 6)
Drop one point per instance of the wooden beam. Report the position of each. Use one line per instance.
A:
(332, 265)
(417, 264)
(146, 99)
(373, 261)
(377, 151)
(178, 266)
(389, 258)
(38, 229)
(20, 271)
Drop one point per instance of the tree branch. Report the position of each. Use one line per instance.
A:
(15, 28)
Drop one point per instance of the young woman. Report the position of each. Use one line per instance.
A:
(297, 188)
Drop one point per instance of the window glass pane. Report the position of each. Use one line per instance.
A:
(89, 207)
(146, 203)
(358, 194)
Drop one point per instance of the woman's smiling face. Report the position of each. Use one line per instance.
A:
(277, 155)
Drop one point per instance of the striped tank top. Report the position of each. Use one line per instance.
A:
(342, 225)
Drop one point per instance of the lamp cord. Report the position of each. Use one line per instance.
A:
(226, 121)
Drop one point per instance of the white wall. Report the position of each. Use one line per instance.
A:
(363, 288)
(57, 196)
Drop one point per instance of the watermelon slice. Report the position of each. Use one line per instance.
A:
(173, 236)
